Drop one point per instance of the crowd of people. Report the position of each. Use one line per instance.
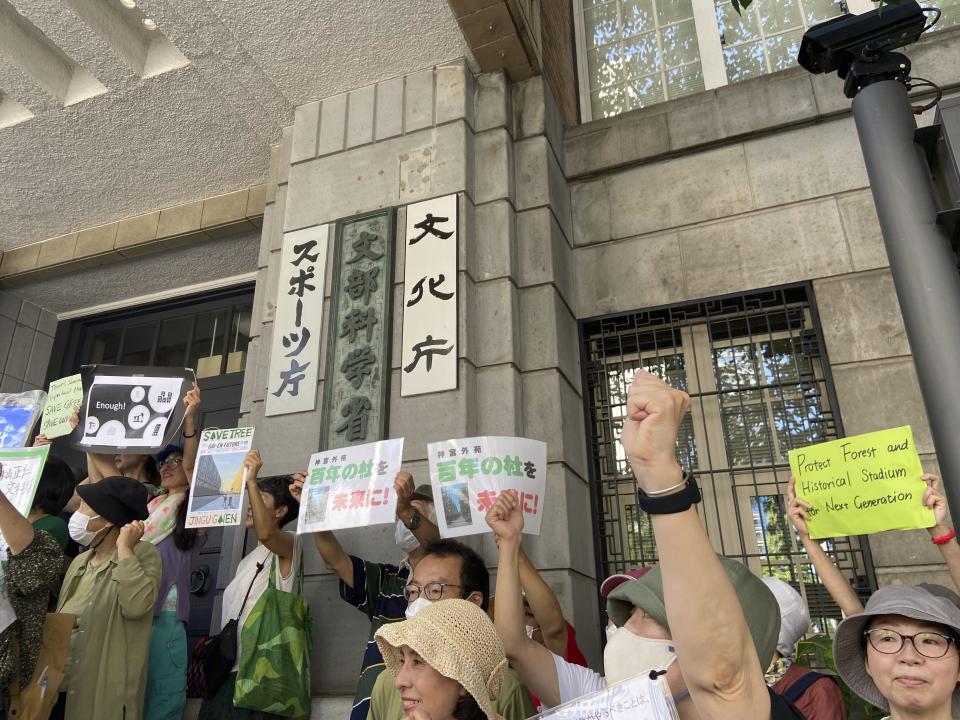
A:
(715, 640)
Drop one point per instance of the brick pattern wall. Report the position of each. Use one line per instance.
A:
(26, 340)
(559, 58)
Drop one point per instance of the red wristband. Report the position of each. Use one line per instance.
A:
(944, 539)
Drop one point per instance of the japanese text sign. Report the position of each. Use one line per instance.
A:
(351, 487)
(295, 345)
(219, 478)
(64, 394)
(18, 415)
(139, 409)
(862, 484)
(639, 698)
(468, 474)
(430, 297)
(19, 479)
(358, 356)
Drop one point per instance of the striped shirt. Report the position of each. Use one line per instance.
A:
(377, 591)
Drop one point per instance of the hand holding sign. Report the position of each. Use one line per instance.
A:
(654, 413)
(505, 518)
(934, 500)
(403, 487)
(296, 487)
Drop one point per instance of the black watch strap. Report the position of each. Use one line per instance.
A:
(676, 502)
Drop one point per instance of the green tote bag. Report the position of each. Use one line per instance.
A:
(276, 642)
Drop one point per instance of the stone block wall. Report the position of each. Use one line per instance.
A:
(432, 133)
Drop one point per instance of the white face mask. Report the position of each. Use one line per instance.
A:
(405, 538)
(77, 528)
(628, 655)
(416, 606)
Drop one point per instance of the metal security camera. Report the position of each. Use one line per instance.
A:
(837, 43)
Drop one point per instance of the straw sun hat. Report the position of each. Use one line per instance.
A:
(457, 639)
(916, 603)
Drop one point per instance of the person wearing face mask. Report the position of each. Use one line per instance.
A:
(816, 695)
(111, 588)
(447, 663)
(376, 589)
(448, 570)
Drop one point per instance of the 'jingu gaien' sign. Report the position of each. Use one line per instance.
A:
(358, 356)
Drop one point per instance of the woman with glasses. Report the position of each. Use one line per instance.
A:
(165, 528)
(901, 654)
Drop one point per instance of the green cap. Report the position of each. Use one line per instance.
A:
(759, 605)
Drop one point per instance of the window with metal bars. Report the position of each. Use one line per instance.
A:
(759, 385)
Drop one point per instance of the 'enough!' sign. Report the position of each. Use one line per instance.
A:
(862, 484)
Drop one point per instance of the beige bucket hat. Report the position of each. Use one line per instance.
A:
(916, 603)
(457, 639)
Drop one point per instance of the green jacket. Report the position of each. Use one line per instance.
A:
(111, 647)
(514, 702)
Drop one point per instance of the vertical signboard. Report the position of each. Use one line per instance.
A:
(429, 359)
(358, 355)
(295, 345)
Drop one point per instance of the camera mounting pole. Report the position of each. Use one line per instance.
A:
(922, 260)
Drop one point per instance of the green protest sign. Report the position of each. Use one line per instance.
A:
(64, 394)
(862, 484)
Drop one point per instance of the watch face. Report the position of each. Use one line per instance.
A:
(414, 520)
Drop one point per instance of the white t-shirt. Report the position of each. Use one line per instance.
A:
(237, 589)
(575, 680)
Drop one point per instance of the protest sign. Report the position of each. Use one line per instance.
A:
(351, 487)
(137, 409)
(19, 479)
(219, 478)
(862, 484)
(639, 698)
(468, 474)
(18, 414)
(64, 394)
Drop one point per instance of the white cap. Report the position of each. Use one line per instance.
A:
(794, 615)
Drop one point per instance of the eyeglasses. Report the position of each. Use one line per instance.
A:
(431, 591)
(890, 642)
(170, 463)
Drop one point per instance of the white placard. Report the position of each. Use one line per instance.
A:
(430, 298)
(468, 474)
(297, 322)
(639, 698)
(219, 478)
(351, 487)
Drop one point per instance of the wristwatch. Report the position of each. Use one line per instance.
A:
(679, 501)
(415, 520)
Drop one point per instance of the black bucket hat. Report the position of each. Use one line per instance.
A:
(119, 500)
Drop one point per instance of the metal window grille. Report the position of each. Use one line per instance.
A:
(760, 385)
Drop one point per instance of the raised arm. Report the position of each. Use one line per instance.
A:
(425, 532)
(15, 528)
(190, 440)
(137, 574)
(544, 606)
(714, 647)
(531, 660)
(933, 498)
(278, 542)
(833, 580)
(334, 557)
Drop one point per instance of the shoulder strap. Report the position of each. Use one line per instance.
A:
(260, 566)
(781, 708)
(798, 688)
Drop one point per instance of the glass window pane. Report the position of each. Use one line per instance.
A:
(680, 44)
(604, 65)
(600, 24)
(206, 353)
(744, 61)
(782, 50)
(671, 11)
(776, 16)
(137, 344)
(816, 11)
(950, 10)
(736, 367)
(172, 346)
(736, 28)
(607, 101)
(239, 338)
(747, 433)
(644, 91)
(104, 346)
(640, 56)
(636, 17)
(684, 80)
